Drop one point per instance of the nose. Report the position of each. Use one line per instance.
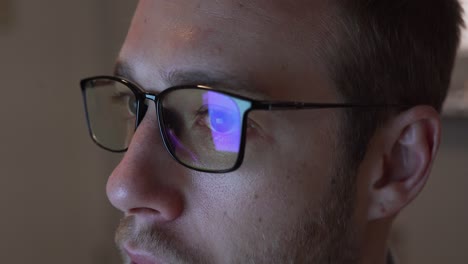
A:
(147, 182)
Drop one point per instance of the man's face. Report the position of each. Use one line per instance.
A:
(288, 202)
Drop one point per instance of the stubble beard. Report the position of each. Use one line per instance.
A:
(320, 238)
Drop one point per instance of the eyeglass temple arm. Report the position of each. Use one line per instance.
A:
(269, 105)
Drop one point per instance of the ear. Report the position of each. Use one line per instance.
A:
(402, 160)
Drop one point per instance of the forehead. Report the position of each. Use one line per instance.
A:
(242, 38)
(266, 15)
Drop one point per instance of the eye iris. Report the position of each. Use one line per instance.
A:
(222, 122)
(132, 105)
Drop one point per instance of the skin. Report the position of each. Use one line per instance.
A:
(293, 200)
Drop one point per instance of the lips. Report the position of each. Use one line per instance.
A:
(137, 258)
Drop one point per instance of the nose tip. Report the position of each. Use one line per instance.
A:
(137, 185)
(161, 203)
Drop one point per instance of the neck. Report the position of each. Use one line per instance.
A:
(375, 244)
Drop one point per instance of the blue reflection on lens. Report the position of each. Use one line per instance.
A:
(225, 121)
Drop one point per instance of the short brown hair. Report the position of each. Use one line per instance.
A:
(391, 52)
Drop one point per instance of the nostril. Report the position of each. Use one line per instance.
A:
(144, 211)
(167, 214)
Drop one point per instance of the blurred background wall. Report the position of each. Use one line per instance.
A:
(53, 207)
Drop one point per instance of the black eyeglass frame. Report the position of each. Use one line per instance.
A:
(141, 95)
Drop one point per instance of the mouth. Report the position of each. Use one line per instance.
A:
(141, 258)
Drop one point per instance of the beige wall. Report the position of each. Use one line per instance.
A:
(52, 178)
(52, 202)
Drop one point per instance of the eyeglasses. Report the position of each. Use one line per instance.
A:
(202, 128)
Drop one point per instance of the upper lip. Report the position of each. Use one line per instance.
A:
(141, 258)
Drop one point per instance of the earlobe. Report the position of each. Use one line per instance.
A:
(412, 139)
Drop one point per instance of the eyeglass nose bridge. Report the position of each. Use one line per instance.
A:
(143, 107)
(142, 110)
(141, 113)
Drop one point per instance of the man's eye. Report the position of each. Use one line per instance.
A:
(223, 121)
(125, 100)
(220, 120)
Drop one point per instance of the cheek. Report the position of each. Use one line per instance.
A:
(300, 151)
(260, 201)
(276, 186)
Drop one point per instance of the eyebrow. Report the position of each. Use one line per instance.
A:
(216, 79)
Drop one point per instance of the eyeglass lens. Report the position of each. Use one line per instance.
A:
(111, 108)
(202, 128)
